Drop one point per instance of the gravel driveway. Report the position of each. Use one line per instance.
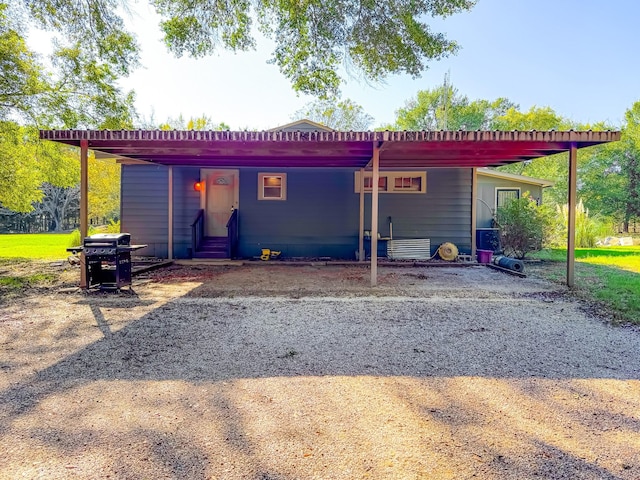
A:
(274, 372)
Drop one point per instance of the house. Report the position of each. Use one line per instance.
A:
(306, 190)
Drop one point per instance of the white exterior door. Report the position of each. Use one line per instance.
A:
(220, 198)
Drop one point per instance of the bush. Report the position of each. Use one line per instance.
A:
(74, 237)
(588, 228)
(113, 227)
(524, 226)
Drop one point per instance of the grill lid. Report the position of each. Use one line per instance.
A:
(107, 240)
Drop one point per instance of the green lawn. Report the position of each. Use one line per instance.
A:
(610, 275)
(42, 246)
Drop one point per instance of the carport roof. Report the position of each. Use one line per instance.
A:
(328, 148)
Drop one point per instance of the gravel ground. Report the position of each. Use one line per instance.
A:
(274, 372)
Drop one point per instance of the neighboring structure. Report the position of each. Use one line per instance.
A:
(307, 191)
(495, 188)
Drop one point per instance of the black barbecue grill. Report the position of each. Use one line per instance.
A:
(107, 259)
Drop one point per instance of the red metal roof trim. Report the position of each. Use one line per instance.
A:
(300, 136)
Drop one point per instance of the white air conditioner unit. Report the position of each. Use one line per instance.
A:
(409, 249)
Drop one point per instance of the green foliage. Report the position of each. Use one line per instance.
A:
(537, 118)
(78, 87)
(524, 226)
(341, 115)
(104, 188)
(589, 229)
(610, 174)
(194, 123)
(113, 226)
(443, 108)
(74, 239)
(553, 167)
(26, 164)
(315, 38)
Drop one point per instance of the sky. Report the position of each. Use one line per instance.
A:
(580, 57)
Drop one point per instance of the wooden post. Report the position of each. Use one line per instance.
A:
(374, 214)
(571, 228)
(84, 206)
(170, 232)
(361, 227)
(474, 207)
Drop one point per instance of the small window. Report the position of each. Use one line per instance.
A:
(394, 182)
(408, 184)
(272, 186)
(368, 183)
(505, 195)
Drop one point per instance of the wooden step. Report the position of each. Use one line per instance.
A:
(213, 247)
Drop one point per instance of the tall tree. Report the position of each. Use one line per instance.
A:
(444, 108)
(552, 168)
(341, 115)
(314, 39)
(610, 174)
(77, 89)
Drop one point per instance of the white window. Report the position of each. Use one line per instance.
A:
(394, 182)
(505, 195)
(272, 186)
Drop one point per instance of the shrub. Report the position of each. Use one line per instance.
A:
(524, 226)
(588, 228)
(74, 237)
(113, 226)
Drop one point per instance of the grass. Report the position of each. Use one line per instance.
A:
(41, 246)
(17, 282)
(609, 275)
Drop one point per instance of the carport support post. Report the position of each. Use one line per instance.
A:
(170, 232)
(361, 228)
(84, 206)
(571, 227)
(374, 214)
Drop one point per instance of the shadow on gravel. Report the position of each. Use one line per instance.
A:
(209, 340)
(220, 339)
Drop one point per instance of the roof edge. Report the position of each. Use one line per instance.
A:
(488, 172)
(570, 136)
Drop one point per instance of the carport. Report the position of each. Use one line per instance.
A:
(361, 150)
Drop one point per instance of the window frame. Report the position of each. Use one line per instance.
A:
(499, 189)
(390, 179)
(262, 186)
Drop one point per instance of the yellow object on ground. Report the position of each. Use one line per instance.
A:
(448, 251)
(268, 254)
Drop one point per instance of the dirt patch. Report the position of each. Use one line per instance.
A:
(274, 372)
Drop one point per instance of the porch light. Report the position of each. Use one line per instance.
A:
(197, 186)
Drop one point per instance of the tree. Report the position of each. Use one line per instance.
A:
(344, 115)
(79, 87)
(199, 123)
(611, 174)
(443, 108)
(554, 167)
(314, 39)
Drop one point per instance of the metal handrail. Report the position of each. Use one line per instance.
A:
(232, 234)
(197, 231)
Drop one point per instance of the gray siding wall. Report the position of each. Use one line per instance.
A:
(487, 196)
(186, 203)
(442, 214)
(319, 218)
(144, 207)
(321, 214)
